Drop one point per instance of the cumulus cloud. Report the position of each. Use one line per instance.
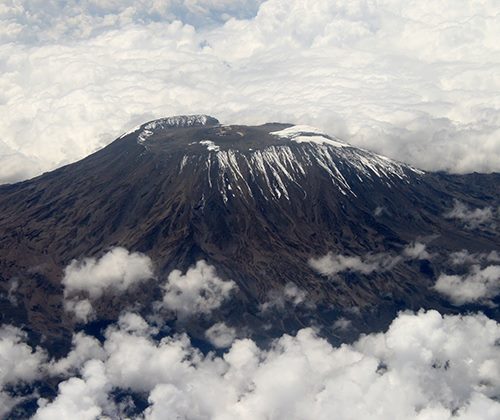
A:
(424, 366)
(332, 264)
(220, 335)
(81, 308)
(89, 279)
(290, 294)
(416, 251)
(480, 284)
(84, 348)
(198, 291)
(19, 364)
(465, 257)
(83, 398)
(472, 218)
(115, 271)
(420, 76)
(342, 324)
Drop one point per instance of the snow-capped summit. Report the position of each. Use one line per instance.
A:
(178, 121)
(268, 161)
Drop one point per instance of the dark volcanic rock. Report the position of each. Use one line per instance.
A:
(255, 205)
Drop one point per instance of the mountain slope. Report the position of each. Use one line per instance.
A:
(256, 202)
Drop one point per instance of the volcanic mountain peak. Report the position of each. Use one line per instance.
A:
(177, 121)
(270, 161)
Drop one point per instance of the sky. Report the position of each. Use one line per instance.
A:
(417, 81)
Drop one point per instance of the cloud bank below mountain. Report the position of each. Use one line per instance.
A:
(424, 366)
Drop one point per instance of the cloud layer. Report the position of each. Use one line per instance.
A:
(402, 78)
(425, 366)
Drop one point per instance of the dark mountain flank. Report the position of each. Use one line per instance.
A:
(257, 203)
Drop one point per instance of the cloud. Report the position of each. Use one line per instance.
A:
(332, 264)
(84, 348)
(465, 257)
(19, 364)
(424, 366)
(342, 324)
(416, 251)
(220, 335)
(83, 398)
(198, 291)
(472, 218)
(113, 273)
(81, 308)
(480, 284)
(50, 20)
(290, 294)
(421, 76)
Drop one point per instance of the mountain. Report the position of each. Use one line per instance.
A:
(256, 202)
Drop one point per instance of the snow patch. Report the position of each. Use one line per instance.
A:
(211, 146)
(179, 121)
(305, 133)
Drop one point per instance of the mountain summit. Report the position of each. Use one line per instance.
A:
(260, 204)
(266, 162)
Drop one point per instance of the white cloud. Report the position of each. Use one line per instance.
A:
(480, 284)
(19, 364)
(89, 279)
(220, 335)
(81, 308)
(18, 361)
(84, 348)
(425, 366)
(290, 294)
(198, 291)
(419, 76)
(416, 251)
(465, 257)
(50, 20)
(114, 272)
(332, 264)
(472, 218)
(83, 398)
(342, 324)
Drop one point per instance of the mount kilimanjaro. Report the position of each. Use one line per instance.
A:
(259, 203)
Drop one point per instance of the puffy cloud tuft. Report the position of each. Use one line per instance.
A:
(19, 364)
(472, 218)
(220, 335)
(198, 291)
(115, 271)
(291, 294)
(332, 264)
(476, 286)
